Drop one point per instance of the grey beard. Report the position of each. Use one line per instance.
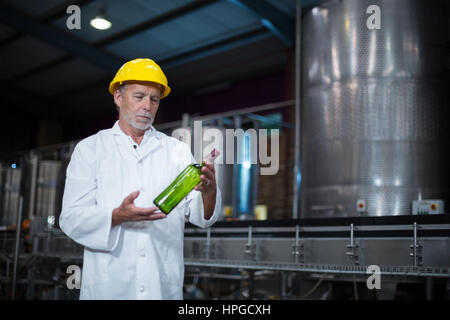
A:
(132, 121)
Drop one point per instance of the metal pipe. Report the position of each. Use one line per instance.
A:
(266, 119)
(297, 162)
(244, 111)
(235, 181)
(255, 176)
(229, 114)
(297, 242)
(415, 245)
(249, 243)
(185, 120)
(351, 235)
(283, 285)
(208, 243)
(57, 279)
(17, 248)
(34, 162)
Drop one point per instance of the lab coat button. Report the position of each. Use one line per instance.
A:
(141, 288)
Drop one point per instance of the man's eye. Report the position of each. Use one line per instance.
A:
(139, 97)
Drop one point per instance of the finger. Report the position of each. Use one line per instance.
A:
(131, 197)
(210, 166)
(204, 185)
(200, 187)
(212, 170)
(205, 181)
(152, 216)
(208, 173)
(157, 216)
(204, 189)
(146, 211)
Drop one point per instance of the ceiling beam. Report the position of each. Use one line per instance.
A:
(280, 24)
(60, 39)
(160, 19)
(215, 48)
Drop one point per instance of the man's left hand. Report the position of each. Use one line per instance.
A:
(208, 188)
(208, 185)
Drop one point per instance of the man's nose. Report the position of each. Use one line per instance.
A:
(147, 104)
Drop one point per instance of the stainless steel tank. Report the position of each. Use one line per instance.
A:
(10, 194)
(48, 191)
(30, 168)
(375, 107)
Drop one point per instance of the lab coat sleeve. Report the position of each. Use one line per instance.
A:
(196, 212)
(195, 209)
(81, 218)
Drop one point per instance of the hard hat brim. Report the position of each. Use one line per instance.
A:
(114, 85)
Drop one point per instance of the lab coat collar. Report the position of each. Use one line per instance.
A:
(152, 142)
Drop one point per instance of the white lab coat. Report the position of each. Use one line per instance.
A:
(133, 260)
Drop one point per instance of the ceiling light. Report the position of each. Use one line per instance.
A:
(100, 22)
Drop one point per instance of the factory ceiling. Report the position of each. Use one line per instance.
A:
(47, 68)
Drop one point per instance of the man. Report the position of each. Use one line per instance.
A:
(133, 250)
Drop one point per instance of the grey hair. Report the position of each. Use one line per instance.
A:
(121, 88)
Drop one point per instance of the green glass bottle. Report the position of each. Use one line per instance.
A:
(183, 184)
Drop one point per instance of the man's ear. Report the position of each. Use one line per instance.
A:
(118, 98)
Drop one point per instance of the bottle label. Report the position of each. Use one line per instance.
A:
(212, 156)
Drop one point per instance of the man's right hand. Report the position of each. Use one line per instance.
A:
(129, 212)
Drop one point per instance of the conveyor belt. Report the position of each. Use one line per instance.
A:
(364, 227)
(361, 221)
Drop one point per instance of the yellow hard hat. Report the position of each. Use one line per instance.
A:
(140, 70)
